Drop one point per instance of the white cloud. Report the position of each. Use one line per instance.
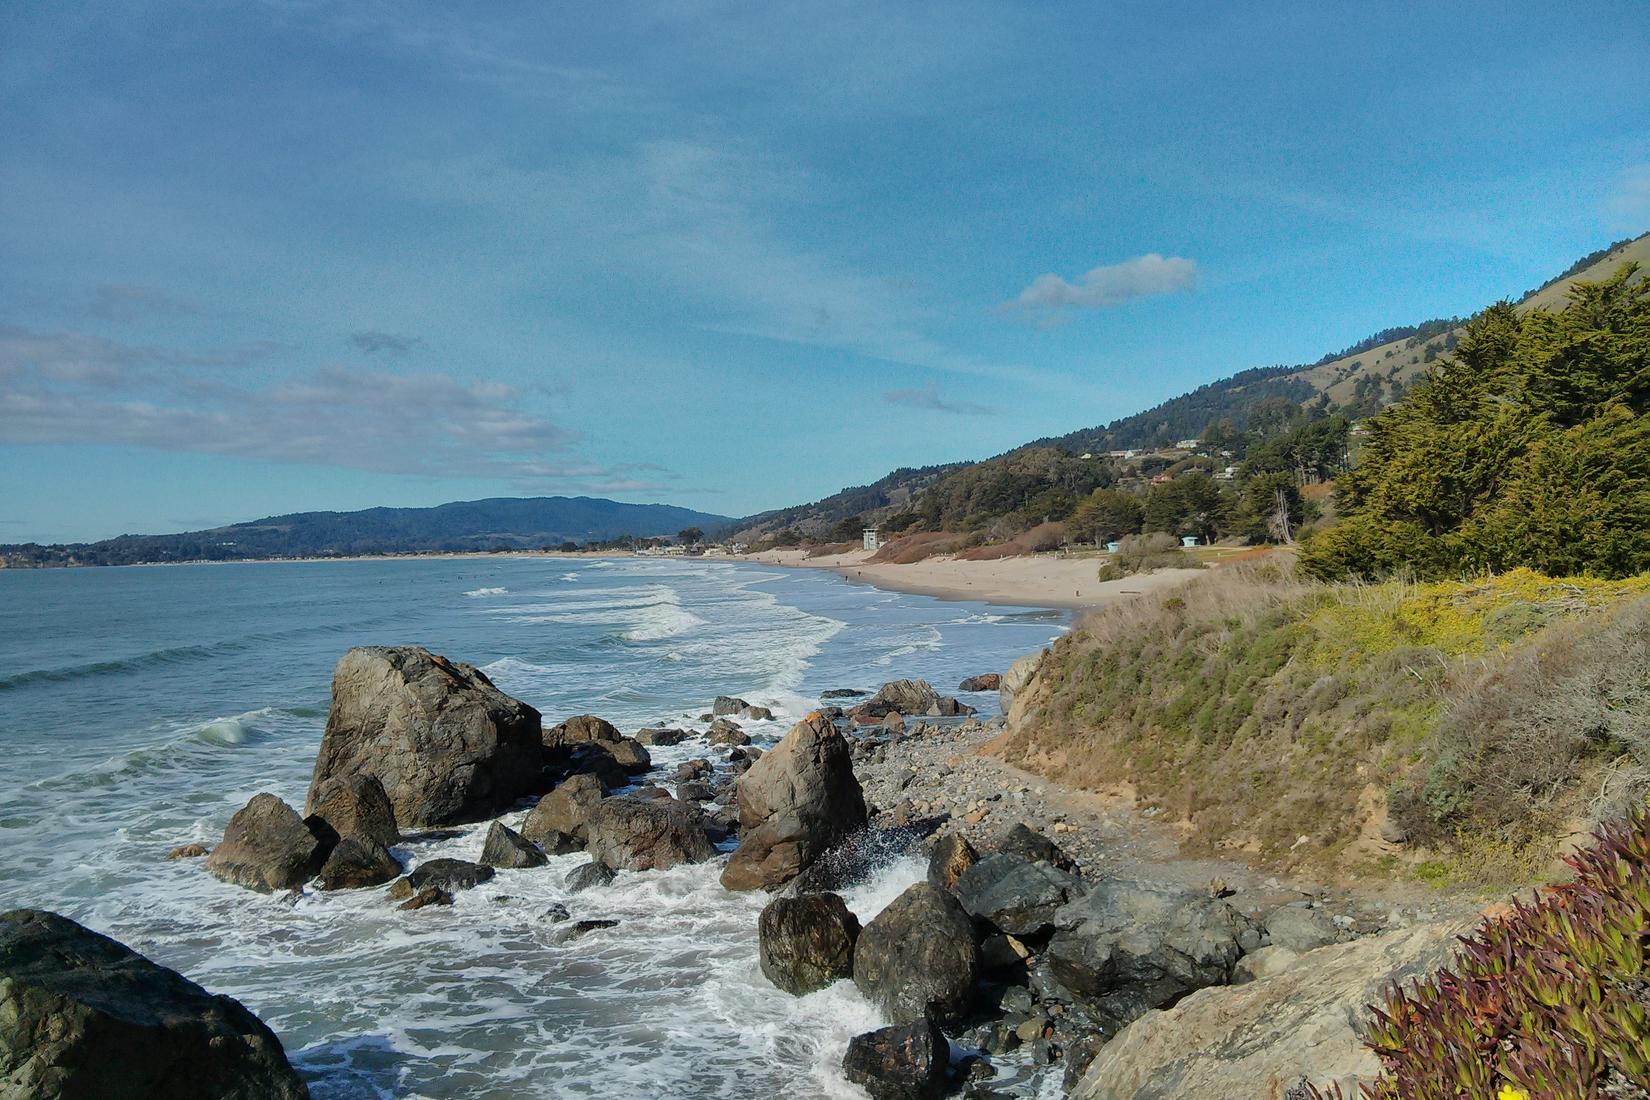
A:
(928, 398)
(1110, 285)
(1629, 204)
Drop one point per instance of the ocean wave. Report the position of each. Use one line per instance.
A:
(486, 591)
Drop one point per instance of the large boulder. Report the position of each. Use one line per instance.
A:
(806, 943)
(565, 810)
(1014, 895)
(356, 806)
(1258, 1041)
(1126, 947)
(728, 704)
(449, 874)
(504, 847)
(918, 957)
(1027, 843)
(356, 862)
(1019, 674)
(908, 697)
(904, 1062)
(580, 729)
(795, 802)
(448, 746)
(267, 846)
(629, 754)
(631, 833)
(82, 1016)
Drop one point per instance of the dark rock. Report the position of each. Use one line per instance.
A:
(582, 729)
(1015, 896)
(586, 875)
(948, 707)
(83, 1016)
(267, 846)
(906, 1062)
(918, 957)
(447, 745)
(583, 927)
(188, 851)
(428, 896)
(986, 681)
(843, 693)
(557, 913)
(595, 758)
(400, 890)
(952, 856)
(757, 714)
(806, 943)
(695, 791)
(728, 704)
(651, 791)
(723, 732)
(1028, 844)
(1127, 947)
(692, 769)
(1004, 954)
(356, 805)
(907, 697)
(504, 847)
(641, 834)
(796, 802)
(629, 754)
(653, 737)
(358, 861)
(449, 874)
(564, 810)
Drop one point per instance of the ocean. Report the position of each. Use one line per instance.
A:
(141, 707)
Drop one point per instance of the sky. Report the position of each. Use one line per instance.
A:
(263, 257)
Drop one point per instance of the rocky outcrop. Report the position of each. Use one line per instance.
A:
(357, 862)
(661, 736)
(806, 943)
(986, 681)
(728, 704)
(908, 697)
(906, 1062)
(267, 846)
(1126, 947)
(632, 833)
(356, 806)
(447, 745)
(1300, 928)
(795, 802)
(449, 874)
(629, 754)
(565, 810)
(580, 729)
(1260, 1040)
(504, 847)
(82, 1015)
(918, 957)
(952, 856)
(1015, 679)
(1015, 895)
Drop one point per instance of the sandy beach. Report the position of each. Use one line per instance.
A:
(1039, 581)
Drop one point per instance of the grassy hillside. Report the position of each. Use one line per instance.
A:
(1295, 720)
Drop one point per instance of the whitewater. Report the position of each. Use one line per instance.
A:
(140, 707)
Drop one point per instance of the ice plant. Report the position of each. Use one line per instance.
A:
(1552, 1001)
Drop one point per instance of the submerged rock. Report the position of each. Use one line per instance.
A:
(504, 847)
(806, 943)
(267, 847)
(904, 1062)
(357, 862)
(82, 1015)
(188, 851)
(796, 802)
(583, 927)
(918, 957)
(448, 746)
(426, 897)
(647, 834)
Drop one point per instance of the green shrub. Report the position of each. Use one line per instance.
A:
(1553, 1001)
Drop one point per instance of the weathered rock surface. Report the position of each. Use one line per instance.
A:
(448, 874)
(1014, 895)
(904, 1062)
(1301, 929)
(192, 850)
(267, 846)
(447, 745)
(728, 704)
(661, 736)
(356, 806)
(579, 730)
(807, 942)
(83, 1016)
(795, 802)
(423, 899)
(952, 856)
(356, 862)
(1023, 841)
(986, 681)
(1126, 947)
(1018, 675)
(907, 697)
(1263, 963)
(629, 754)
(504, 847)
(1257, 1041)
(646, 834)
(586, 875)
(918, 957)
(564, 810)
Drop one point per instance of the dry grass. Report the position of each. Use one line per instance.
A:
(1040, 539)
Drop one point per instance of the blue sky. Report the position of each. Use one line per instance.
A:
(266, 257)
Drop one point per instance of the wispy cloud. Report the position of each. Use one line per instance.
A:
(928, 398)
(1109, 285)
(374, 342)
